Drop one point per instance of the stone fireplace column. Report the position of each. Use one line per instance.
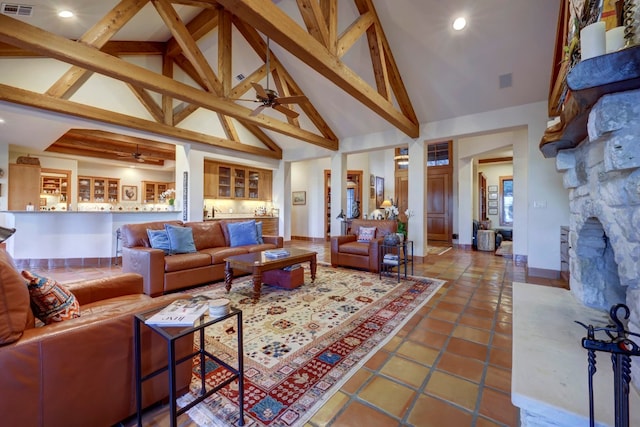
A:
(603, 175)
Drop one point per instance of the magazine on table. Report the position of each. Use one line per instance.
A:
(182, 312)
(276, 253)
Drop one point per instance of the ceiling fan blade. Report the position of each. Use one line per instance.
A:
(292, 99)
(259, 90)
(140, 159)
(286, 111)
(257, 110)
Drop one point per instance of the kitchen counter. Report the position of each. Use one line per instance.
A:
(81, 236)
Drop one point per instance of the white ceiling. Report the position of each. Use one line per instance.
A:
(447, 74)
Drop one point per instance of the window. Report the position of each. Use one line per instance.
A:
(438, 154)
(506, 200)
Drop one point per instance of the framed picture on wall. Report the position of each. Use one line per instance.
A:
(493, 196)
(129, 193)
(372, 180)
(372, 192)
(299, 197)
(379, 191)
(492, 188)
(493, 203)
(493, 211)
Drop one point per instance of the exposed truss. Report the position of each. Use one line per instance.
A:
(318, 45)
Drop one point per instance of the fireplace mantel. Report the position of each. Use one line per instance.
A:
(588, 81)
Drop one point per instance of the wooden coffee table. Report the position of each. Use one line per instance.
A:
(258, 262)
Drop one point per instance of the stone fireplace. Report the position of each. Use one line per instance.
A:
(603, 175)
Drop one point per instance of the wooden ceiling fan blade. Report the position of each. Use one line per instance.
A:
(286, 111)
(296, 99)
(259, 90)
(257, 110)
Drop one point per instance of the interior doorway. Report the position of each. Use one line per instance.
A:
(439, 185)
(354, 198)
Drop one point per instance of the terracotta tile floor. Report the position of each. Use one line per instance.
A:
(449, 366)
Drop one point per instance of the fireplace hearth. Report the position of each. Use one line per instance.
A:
(603, 175)
(598, 152)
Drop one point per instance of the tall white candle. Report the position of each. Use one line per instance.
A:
(592, 40)
(615, 39)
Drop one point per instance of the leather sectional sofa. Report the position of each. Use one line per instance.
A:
(80, 371)
(347, 251)
(164, 273)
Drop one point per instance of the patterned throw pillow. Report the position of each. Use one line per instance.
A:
(50, 301)
(366, 234)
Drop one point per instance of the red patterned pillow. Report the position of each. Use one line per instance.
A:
(366, 234)
(50, 301)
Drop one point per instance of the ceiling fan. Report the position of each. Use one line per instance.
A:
(137, 155)
(269, 97)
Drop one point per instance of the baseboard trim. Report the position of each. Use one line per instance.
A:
(309, 239)
(45, 264)
(544, 273)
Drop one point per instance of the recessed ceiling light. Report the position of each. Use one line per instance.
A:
(1, 120)
(459, 23)
(65, 14)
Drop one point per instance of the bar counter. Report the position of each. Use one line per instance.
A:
(79, 237)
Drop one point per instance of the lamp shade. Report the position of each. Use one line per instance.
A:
(386, 204)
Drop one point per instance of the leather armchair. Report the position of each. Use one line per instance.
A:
(79, 372)
(348, 252)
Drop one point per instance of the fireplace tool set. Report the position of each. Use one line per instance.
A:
(621, 349)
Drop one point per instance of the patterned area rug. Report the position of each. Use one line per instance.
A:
(301, 345)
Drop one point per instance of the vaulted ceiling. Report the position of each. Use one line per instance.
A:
(180, 62)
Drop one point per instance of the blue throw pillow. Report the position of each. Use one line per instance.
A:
(242, 233)
(180, 239)
(259, 232)
(159, 240)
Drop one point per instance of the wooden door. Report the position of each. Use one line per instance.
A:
(439, 191)
(438, 206)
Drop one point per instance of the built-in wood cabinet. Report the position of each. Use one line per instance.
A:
(54, 182)
(24, 186)
(93, 189)
(226, 181)
(151, 190)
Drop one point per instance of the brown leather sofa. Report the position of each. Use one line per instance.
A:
(348, 252)
(81, 371)
(162, 274)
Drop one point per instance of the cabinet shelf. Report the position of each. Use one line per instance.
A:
(236, 182)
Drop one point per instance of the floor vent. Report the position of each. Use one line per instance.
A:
(16, 9)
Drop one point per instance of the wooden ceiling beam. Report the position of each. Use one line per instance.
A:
(379, 64)
(30, 37)
(148, 102)
(269, 19)
(69, 149)
(330, 11)
(314, 20)
(203, 23)
(115, 48)
(159, 149)
(353, 32)
(96, 37)
(257, 43)
(186, 42)
(63, 106)
(393, 72)
(224, 52)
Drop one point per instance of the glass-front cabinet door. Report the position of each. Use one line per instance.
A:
(254, 184)
(239, 182)
(224, 181)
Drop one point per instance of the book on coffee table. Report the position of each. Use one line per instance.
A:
(276, 253)
(182, 312)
